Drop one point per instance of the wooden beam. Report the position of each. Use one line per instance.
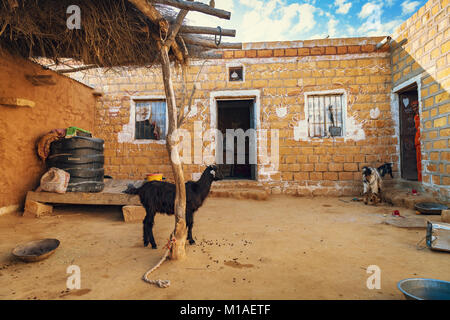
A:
(177, 52)
(208, 30)
(41, 79)
(210, 44)
(16, 102)
(153, 14)
(91, 66)
(195, 6)
(183, 46)
(171, 42)
(208, 55)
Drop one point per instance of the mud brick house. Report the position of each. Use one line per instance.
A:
(32, 102)
(420, 70)
(288, 87)
(281, 84)
(284, 90)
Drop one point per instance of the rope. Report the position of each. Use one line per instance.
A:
(161, 283)
(418, 245)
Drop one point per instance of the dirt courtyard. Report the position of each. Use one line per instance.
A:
(282, 248)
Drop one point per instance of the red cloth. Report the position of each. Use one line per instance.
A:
(417, 145)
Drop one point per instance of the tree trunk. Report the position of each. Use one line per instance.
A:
(180, 234)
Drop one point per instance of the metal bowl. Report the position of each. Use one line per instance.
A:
(430, 207)
(36, 250)
(424, 289)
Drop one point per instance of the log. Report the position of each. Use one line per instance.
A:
(209, 55)
(210, 44)
(207, 30)
(91, 66)
(41, 79)
(153, 14)
(178, 249)
(17, 102)
(171, 42)
(195, 6)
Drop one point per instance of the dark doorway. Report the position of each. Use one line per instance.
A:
(236, 114)
(407, 98)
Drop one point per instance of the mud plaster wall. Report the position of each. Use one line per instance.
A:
(282, 73)
(424, 59)
(68, 103)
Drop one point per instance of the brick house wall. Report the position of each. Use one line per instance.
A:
(424, 59)
(278, 75)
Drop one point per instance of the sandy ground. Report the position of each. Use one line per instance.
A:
(282, 248)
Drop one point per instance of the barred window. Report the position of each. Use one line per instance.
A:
(325, 115)
(150, 120)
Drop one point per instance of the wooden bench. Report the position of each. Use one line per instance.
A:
(39, 203)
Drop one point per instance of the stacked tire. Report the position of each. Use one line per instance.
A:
(83, 159)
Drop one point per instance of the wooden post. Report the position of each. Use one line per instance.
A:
(178, 250)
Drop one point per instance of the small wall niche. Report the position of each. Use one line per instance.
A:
(236, 74)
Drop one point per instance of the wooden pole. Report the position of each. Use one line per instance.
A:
(210, 44)
(208, 30)
(195, 6)
(178, 249)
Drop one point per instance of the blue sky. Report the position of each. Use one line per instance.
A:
(273, 20)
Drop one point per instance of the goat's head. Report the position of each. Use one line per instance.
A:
(386, 169)
(366, 173)
(215, 173)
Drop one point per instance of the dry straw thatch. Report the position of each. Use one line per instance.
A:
(113, 32)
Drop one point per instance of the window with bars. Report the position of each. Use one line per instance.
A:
(150, 120)
(325, 115)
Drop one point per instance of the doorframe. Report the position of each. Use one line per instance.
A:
(228, 95)
(395, 111)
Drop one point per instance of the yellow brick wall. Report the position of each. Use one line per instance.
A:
(426, 54)
(281, 75)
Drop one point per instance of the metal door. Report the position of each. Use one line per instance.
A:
(407, 135)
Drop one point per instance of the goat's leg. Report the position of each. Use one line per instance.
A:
(148, 229)
(190, 224)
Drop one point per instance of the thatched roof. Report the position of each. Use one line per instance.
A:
(113, 32)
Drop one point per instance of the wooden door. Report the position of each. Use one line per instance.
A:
(407, 135)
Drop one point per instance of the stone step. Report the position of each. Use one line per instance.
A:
(243, 184)
(240, 193)
(405, 198)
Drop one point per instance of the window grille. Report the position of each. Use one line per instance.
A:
(325, 115)
(150, 120)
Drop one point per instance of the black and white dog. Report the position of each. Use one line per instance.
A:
(373, 182)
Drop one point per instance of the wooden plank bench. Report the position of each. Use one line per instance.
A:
(38, 203)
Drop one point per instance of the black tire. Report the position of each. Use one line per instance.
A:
(86, 173)
(74, 160)
(74, 143)
(82, 158)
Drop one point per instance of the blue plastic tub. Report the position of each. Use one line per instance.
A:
(424, 289)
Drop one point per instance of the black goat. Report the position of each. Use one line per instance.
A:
(158, 196)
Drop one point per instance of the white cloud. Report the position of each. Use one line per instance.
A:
(343, 6)
(369, 9)
(332, 24)
(275, 20)
(409, 6)
(389, 3)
